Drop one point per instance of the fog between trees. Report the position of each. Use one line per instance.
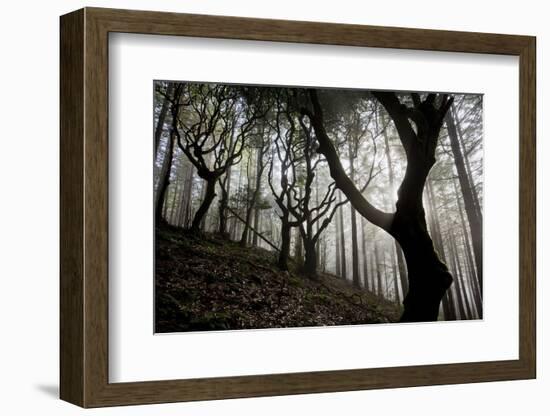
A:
(314, 176)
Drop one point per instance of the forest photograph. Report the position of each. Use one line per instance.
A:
(281, 207)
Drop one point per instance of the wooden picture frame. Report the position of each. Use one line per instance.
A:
(84, 207)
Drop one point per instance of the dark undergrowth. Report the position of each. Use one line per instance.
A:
(208, 283)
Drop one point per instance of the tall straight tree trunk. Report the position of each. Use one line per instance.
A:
(256, 208)
(173, 206)
(180, 178)
(364, 253)
(354, 249)
(159, 129)
(468, 280)
(164, 180)
(317, 222)
(354, 244)
(188, 197)
(459, 299)
(472, 281)
(324, 256)
(337, 249)
(250, 232)
(394, 275)
(222, 210)
(433, 226)
(175, 197)
(462, 282)
(343, 272)
(162, 115)
(467, 194)
(252, 203)
(449, 309)
(298, 245)
(467, 164)
(235, 225)
(225, 186)
(204, 191)
(449, 301)
(379, 290)
(165, 204)
(181, 201)
(256, 225)
(374, 272)
(468, 250)
(434, 216)
(386, 278)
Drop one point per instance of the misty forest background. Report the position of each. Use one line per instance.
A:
(279, 207)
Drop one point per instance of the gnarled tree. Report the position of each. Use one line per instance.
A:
(259, 142)
(213, 134)
(284, 154)
(313, 215)
(294, 152)
(418, 125)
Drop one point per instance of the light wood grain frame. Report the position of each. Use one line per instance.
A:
(84, 207)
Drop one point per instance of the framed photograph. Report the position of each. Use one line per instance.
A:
(260, 207)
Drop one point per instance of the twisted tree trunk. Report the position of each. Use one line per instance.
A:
(209, 195)
(285, 244)
(428, 276)
(398, 251)
(310, 262)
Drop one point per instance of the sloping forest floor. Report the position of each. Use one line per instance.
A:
(208, 283)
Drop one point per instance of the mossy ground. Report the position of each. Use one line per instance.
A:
(209, 283)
